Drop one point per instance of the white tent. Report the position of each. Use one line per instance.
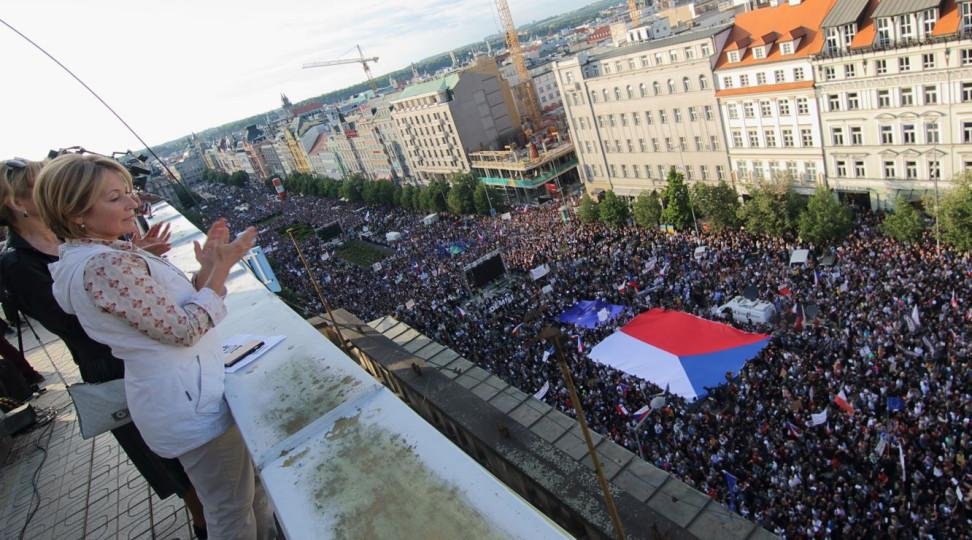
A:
(393, 236)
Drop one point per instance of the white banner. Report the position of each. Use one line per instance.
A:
(376, 267)
(819, 418)
(542, 391)
(539, 271)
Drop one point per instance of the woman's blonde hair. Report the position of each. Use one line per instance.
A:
(67, 188)
(16, 182)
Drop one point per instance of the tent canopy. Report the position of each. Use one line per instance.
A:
(678, 351)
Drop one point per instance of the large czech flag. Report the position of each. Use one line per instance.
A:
(679, 351)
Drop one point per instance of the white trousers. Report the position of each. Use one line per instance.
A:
(222, 473)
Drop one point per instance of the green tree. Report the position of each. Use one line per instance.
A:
(481, 200)
(905, 223)
(351, 189)
(460, 198)
(955, 214)
(239, 178)
(825, 220)
(719, 204)
(647, 210)
(436, 196)
(369, 192)
(587, 211)
(408, 198)
(772, 209)
(612, 210)
(678, 204)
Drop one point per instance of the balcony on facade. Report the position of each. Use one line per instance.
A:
(518, 169)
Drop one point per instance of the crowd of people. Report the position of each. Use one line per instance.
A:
(885, 325)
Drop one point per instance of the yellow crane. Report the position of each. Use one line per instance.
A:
(634, 12)
(525, 89)
(360, 60)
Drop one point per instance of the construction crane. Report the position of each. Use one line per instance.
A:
(361, 59)
(634, 12)
(525, 89)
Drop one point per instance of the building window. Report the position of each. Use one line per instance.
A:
(787, 137)
(659, 59)
(671, 86)
(693, 114)
(732, 111)
(887, 135)
(656, 88)
(698, 143)
(765, 109)
(931, 133)
(629, 145)
(881, 67)
(624, 119)
(830, 73)
(662, 117)
(806, 137)
(859, 169)
(614, 171)
(727, 82)
(850, 71)
(686, 85)
(744, 80)
(733, 56)
(720, 173)
(769, 136)
(786, 48)
(624, 171)
(928, 61)
(911, 170)
(758, 169)
(841, 168)
(611, 120)
(883, 32)
(634, 171)
(837, 136)
(604, 94)
(908, 133)
(628, 92)
(688, 172)
(707, 112)
(889, 170)
(617, 94)
(934, 170)
(778, 76)
(904, 64)
(810, 170)
(784, 106)
(759, 52)
(966, 57)
(706, 51)
(654, 144)
(803, 106)
(713, 142)
(703, 172)
(673, 56)
(753, 136)
(644, 61)
(681, 144)
(967, 132)
(798, 74)
(930, 94)
(742, 169)
(636, 119)
(907, 97)
(737, 140)
(853, 101)
(929, 17)
(668, 144)
(856, 136)
(748, 110)
(677, 115)
(966, 91)
(641, 145)
(760, 78)
(833, 102)
(648, 118)
(703, 82)
(791, 169)
(884, 98)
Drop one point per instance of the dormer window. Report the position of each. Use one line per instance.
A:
(966, 15)
(759, 52)
(928, 19)
(786, 48)
(733, 56)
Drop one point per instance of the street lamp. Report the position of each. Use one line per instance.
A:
(552, 335)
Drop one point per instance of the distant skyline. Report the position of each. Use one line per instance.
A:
(175, 67)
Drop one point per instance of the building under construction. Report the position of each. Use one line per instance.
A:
(521, 172)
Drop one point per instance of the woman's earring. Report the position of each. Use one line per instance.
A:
(82, 226)
(26, 214)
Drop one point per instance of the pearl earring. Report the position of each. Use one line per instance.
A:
(26, 214)
(82, 226)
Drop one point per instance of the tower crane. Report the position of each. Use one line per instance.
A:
(361, 59)
(634, 12)
(528, 94)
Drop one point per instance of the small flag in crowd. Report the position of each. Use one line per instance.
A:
(410, 305)
(542, 391)
(798, 311)
(461, 312)
(915, 317)
(731, 484)
(642, 413)
(816, 279)
(895, 404)
(516, 329)
(820, 418)
(794, 431)
(580, 344)
(954, 301)
(546, 355)
(621, 410)
(841, 400)
(901, 459)
(785, 291)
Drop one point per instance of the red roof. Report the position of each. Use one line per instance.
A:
(785, 19)
(306, 108)
(766, 88)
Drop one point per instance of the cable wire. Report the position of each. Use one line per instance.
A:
(172, 176)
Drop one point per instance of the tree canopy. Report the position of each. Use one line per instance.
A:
(612, 210)
(678, 204)
(647, 210)
(825, 220)
(904, 224)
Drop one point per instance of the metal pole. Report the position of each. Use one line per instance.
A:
(553, 335)
(938, 210)
(317, 288)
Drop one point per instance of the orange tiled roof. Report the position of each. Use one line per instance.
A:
(948, 22)
(764, 89)
(782, 18)
(868, 29)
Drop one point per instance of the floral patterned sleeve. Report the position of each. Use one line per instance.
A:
(119, 283)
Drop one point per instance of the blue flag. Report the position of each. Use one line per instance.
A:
(895, 404)
(731, 484)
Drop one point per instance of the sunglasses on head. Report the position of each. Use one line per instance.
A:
(15, 164)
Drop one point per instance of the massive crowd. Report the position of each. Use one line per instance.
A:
(898, 466)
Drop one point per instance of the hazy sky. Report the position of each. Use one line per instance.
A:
(175, 66)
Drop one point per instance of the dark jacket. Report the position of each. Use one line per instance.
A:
(27, 283)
